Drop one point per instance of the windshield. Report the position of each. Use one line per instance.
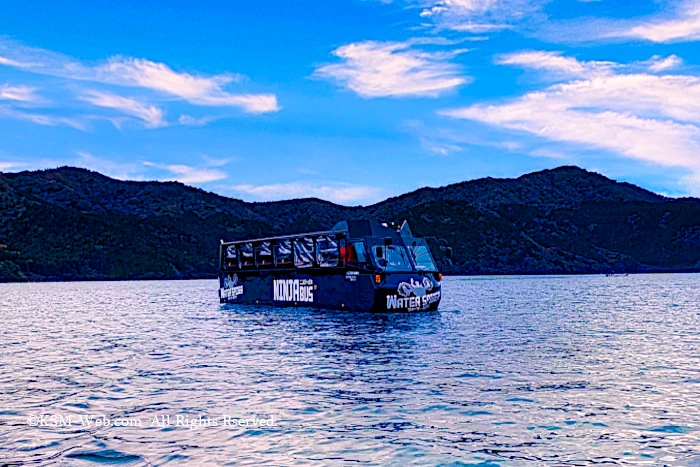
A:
(422, 257)
(392, 258)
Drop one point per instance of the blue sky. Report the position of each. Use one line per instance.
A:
(352, 101)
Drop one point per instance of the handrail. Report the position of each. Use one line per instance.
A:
(284, 237)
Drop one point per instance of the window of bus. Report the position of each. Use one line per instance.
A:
(392, 257)
(327, 254)
(283, 253)
(245, 252)
(422, 257)
(263, 254)
(357, 254)
(231, 257)
(304, 252)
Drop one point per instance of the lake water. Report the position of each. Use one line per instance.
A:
(562, 371)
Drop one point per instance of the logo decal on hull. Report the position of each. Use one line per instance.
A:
(413, 295)
(231, 289)
(293, 290)
(413, 288)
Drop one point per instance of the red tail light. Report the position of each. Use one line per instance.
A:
(377, 279)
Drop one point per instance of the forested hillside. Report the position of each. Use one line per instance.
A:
(74, 224)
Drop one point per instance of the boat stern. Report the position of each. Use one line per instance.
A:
(407, 292)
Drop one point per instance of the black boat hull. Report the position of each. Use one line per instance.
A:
(336, 289)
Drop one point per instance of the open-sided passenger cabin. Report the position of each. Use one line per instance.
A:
(321, 250)
(359, 244)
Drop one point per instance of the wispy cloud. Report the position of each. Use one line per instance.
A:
(556, 62)
(194, 121)
(8, 62)
(41, 119)
(682, 25)
(647, 117)
(479, 28)
(217, 161)
(84, 159)
(678, 22)
(447, 140)
(559, 66)
(138, 72)
(150, 114)
(125, 169)
(307, 171)
(19, 93)
(393, 69)
(8, 165)
(481, 16)
(188, 174)
(337, 193)
(121, 170)
(691, 183)
(658, 63)
(439, 147)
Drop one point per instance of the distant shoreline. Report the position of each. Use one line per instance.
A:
(544, 275)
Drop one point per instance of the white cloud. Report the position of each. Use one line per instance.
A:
(337, 193)
(462, 7)
(658, 63)
(138, 72)
(680, 23)
(18, 93)
(194, 121)
(432, 11)
(480, 16)
(651, 118)
(198, 90)
(188, 174)
(152, 115)
(555, 62)
(8, 62)
(683, 26)
(393, 69)
(673, 96)
(479, 28)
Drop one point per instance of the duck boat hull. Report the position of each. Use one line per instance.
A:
(350, 290)
(358, 265)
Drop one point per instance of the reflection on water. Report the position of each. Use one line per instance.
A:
(511, 371)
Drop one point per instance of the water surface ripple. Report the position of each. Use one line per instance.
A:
(561, 371)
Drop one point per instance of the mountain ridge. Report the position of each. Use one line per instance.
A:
(75, 224)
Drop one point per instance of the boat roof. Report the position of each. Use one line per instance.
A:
(369, 228)
(351, 228)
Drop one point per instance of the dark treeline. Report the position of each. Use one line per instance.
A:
(73, 224)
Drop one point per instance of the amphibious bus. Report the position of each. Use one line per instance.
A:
(357, 265)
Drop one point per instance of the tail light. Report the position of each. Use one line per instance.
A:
(377, 278)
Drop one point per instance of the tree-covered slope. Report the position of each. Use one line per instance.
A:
(70, 224)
